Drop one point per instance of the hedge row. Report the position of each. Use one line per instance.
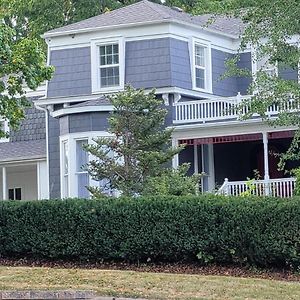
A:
(263, 232)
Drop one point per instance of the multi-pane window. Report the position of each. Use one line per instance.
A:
(65, 158)
(15, 194)
(109, 65)
(81, 172)
(200, 66)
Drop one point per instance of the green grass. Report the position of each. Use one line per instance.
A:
(147, 285)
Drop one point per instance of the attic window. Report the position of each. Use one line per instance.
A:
(108, 61)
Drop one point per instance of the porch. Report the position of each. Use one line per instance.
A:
(241, 164)
(221, 109)
(23, 170)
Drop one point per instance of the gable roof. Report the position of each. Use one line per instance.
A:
(148, 12)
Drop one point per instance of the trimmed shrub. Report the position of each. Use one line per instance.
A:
(255, 231)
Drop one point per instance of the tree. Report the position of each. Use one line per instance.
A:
(272, 29)
(35, 17)
(22, 62)
(139, 146)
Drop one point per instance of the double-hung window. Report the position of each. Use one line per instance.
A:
(108, 60)
(201, 67)
(109, 65)
(82, 158)
(65, 165)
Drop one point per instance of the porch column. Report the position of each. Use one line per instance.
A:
(211, 167)
(175, 160)
(4, 183)
(266, 156)
(196, 168)
(266, 163)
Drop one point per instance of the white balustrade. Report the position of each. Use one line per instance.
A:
(281, 187)
(223, 108)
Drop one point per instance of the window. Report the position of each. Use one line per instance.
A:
(65, 165)
(82, 158)
(109, 65)
(108, 60)
(201, 67)
(15, 194)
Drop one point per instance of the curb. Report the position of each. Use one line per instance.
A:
(55, 295)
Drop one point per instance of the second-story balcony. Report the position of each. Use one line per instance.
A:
(222, 109)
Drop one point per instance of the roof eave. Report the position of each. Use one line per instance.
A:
(103, 28)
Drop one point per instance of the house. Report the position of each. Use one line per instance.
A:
(183, 57)
(23, 156)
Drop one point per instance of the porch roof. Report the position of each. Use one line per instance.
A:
(25, 150)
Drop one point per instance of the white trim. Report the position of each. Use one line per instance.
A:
(22, 162)
(95, 64)
(43, 102)
(72, 177)
(4, 184)
(208, 64)
(137, 24)
(77, 110)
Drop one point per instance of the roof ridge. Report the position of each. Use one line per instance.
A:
(156, 7)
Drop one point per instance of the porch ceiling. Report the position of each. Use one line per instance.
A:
(25, 150)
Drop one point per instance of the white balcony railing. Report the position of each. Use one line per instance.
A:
(281, 187)
(223, 108)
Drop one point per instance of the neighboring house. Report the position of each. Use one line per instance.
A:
(23, 167)
(183, 57)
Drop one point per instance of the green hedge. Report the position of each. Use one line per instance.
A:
(256, 231)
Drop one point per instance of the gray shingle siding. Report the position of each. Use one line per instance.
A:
(72, 74)
(32, 127)
(243, 83)
(84, 122)
(229, 86)
(222, 87)
(288, 73)
(180, 64)
(147, 63)
(54, 157)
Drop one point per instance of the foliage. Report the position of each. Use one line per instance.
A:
(271, 29)
(296, 173)
(35, 17)
(138, 148)
(209, 228)
(21, 62)
(173, 182)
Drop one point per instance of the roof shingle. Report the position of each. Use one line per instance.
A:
(146, 11)
(22, 150)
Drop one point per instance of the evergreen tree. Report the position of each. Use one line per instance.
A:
(139, 146)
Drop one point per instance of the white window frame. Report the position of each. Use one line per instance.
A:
(208, 65)
(95, 65)
(72, 175)
(64, 193)
(6, 129)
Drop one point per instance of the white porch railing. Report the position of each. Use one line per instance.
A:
(223, 108)
(281, 187)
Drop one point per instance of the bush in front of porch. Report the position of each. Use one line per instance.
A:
(206, 229)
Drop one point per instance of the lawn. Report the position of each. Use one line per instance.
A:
(147, 285)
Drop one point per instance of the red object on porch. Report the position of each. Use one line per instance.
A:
(237, 138)
(223, 139)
